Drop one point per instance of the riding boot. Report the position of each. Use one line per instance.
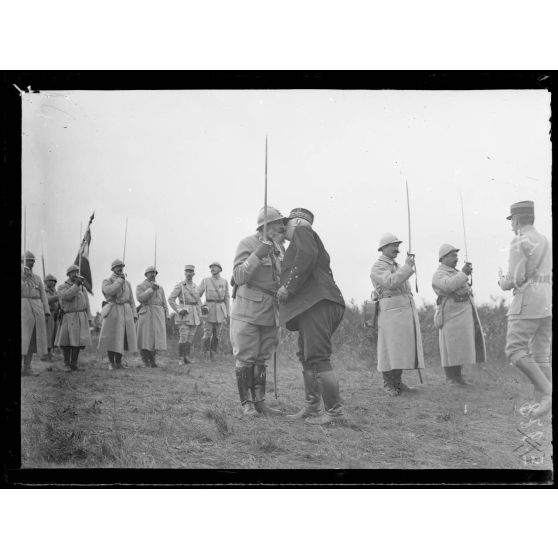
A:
(145, 358)
(118, 360)
(187, 348)
(244, 382)
(181, 353)
(453, 375)
(401, 385)
(214, 343)
(151, 358)
(313, 400)
(259, 392)
(541, 382)
(112, 364)
(67, 356)
(390, 386)
(329, 388)
(74, 354)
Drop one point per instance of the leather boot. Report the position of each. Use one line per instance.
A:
(400, 384)
(214, 343)
(151, 357)
(206, 345)
(244, 382)
(74, 355)
(329, 388)
(389, 383)
(453, 375)
(313, 399)
(118, 360)
(145, 358)
(187, 348)
(540, 381)
(112, 364)
(259, 392)
(67, 356)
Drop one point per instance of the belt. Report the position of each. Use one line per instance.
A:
(72, 311)
(379, 297)
(261, 289)
(210, 300)
(32, 297)
(119, 303)
(189, 303)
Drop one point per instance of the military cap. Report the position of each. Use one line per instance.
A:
(301, 213)
(189, 268)
(216, 264)
(388, 238)
(272, 216)
(116, 263)
(73, 267)
(151, 268)
(522, 208)
(446, 249)
(28, 256)
(51, 277)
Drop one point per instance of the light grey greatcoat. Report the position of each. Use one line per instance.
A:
(74, 329)
(460, 337)
(152, 329)
(118, 316)
(34, 306)
(399, 336)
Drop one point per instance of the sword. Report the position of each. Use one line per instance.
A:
(155, 258)
(409, 253)
(43, 257)
(125, 235)
(465, 235)
(25, 238)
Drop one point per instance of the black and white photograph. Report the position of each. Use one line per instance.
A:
(287, 278)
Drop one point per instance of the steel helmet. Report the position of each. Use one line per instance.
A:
(51, 277)
(151, 268)
(272, 216)
(388, 238)
(216, 264)
(28, 256)
(73, 267)
(446, 249)
(116, 263)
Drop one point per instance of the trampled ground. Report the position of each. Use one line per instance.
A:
(189, 417)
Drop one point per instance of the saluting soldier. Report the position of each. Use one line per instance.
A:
(312, 304)
(34, 309)
(254, 327)
(188, 312)
(74, 333)
(530, 313)
(399, 336)
(119, 315)
(152, 315)
(54, 306)
(217, 300)
(460, 334)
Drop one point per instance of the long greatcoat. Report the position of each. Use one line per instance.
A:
(118, 317)
(74, 329)
(460, 336)
(51, 321)
(217, 298)
(399, 336)
(152, 328)
(34, 306)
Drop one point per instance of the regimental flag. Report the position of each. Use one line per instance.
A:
(82, 258)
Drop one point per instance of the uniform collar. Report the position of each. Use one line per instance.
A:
(445, 267)
(384, 258)
(526, 228)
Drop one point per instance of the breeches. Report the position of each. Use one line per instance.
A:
(315, 329)
(529, 338)
(187, 333)
(211, 329)
(252, 344)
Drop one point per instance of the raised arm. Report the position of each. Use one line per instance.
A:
(381, 273)
(449, 283)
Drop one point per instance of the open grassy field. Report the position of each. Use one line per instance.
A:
(189, 417)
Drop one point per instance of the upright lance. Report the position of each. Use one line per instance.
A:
(125, 236)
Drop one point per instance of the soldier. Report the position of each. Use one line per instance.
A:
(34, 310)
(52, 320)
(399, 336)
(188, 312)
(312, 304)
(118, 332)
(74, 333)
(530, 314)
(152, 315)
(217, 299)
(460, 333)
(255, 313)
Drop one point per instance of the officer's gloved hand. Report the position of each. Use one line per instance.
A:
(467, 268)
(410, 260)
(264, 250)
(154, 286)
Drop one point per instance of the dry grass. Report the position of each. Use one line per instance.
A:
(189, 417)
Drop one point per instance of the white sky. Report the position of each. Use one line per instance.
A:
(189, 167)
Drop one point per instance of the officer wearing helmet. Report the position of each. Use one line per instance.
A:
(217, 300)
(34, 310)
(529, 332)
(399, 336)
(152, 315)
(254, 327)
(74, 333)
(119, 315)
(52, 321)
(460, 334)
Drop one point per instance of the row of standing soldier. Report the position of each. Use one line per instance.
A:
(295, 288)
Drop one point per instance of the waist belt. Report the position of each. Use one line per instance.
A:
(32, 297)
(119, 303)
(261, 289)
(456, 298)
(379, 297)
(189, 304)
(210, 300)
(72, 311)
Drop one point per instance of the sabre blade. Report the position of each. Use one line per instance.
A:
(464, 228)
(265, 194)
(125, 236)
(408, 214)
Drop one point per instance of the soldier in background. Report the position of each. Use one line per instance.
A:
(74, 333)
(152, 315)
(255, 313)
(460, 333)
(119, 314)
(217, 299)
(188, 312)
(52, 320)
(399, 336)
(529, 274)
(311, 303)
(34, 311)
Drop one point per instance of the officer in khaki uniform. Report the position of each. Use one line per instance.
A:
(255, 312)
(188, 312)
(460, 333)
(399, 336)
(52, 320)
(217, 300)
(530, 314)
